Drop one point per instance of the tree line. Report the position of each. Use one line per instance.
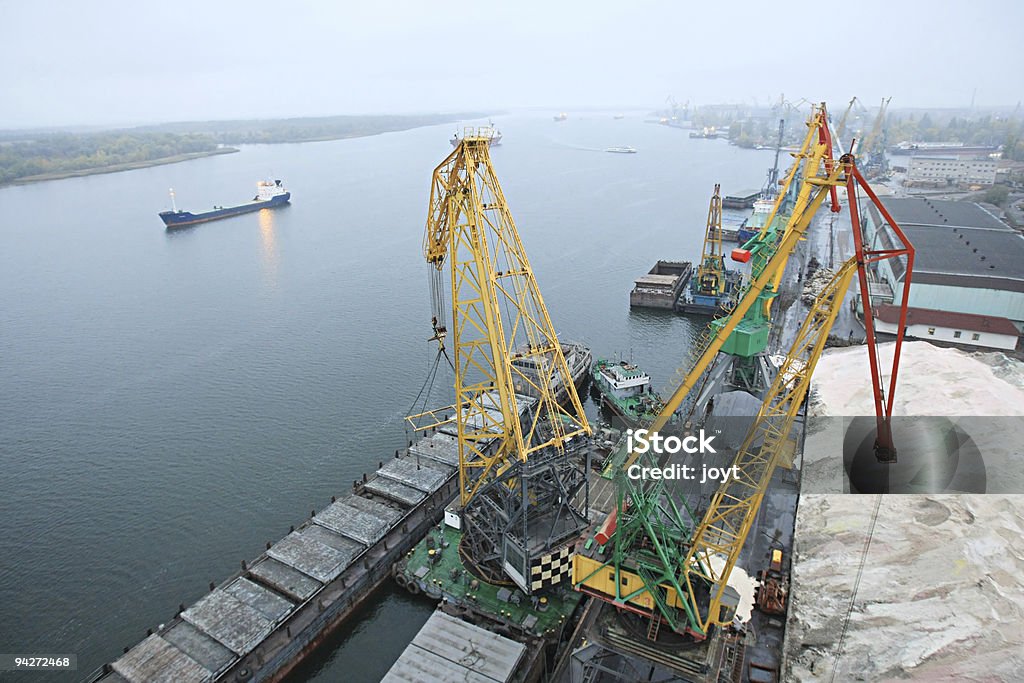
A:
(66, 152)
(34, 153)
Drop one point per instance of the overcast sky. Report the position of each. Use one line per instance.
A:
(119, 62)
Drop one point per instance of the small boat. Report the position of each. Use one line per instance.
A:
(269, 194)
(621, 150)
(561, 117)
(619, 116)
(626, 391)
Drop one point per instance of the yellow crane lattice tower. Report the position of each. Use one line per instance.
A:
(498, 316)
(711, 271)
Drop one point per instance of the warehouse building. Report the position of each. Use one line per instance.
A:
(942, 171)
(964, 329)
(967, 261)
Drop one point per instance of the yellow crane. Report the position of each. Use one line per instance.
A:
(868, 147)
(519, 470)
(711, 271)
(719, 537)
(502, 333)
(841, 130)
(769, 251)
(644, 558)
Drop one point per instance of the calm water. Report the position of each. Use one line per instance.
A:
(170, 402)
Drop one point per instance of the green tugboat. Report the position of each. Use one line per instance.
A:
(626, 390)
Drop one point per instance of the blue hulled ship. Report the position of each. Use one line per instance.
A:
(268, 195)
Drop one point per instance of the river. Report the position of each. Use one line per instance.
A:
(172, 401)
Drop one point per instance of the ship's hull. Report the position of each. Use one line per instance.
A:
(180, 219)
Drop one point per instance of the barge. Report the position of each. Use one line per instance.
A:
(662, 286)
(263, 620)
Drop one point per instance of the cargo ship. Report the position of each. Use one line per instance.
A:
(626, 391)
(269, 194)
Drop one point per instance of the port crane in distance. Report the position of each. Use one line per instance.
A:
(872, 148)
(650, 562)
(841, 128)
(517, 480)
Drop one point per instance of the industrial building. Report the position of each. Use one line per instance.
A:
(927, 170)
(968, 261)
(966, 329)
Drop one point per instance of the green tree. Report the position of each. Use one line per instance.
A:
(997, 194)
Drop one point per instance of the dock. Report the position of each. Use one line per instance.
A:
(662, 286)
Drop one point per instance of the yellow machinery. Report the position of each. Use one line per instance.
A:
(502, 337)
(769, 252)
(711, 271)
(872, 148)
(716, 543)
(646, 558)
(637, 523)
(841, 129)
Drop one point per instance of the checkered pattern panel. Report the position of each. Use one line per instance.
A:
(551, 569)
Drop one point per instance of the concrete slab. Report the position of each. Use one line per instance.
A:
(375, 508)
(442, 448)
(229, 621)
(309, 556)
(426, 476)
(342, 518)
(450, 650)
(288, 580)
(388, 488)
(266, 602)
(155, 660)
(199, 646)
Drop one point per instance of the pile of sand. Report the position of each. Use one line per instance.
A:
(940, 599)
(931, 381)
(941, 596)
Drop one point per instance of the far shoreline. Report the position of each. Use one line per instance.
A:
(117, 168)
(352, 127)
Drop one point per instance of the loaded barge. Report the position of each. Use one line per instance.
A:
(267, 617)
(662, 286)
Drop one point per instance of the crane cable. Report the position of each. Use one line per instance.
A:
(428, 385)
(856, 585)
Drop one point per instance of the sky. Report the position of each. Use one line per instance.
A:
(115, 62)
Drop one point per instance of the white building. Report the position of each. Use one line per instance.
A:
(951, 170)
(954, 328)
(966, 261)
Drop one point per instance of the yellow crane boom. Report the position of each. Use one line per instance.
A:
(816, 152)
(502, 333)
(711, 271)
(719, 538)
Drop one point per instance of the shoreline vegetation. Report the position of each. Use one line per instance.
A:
(37, 156)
